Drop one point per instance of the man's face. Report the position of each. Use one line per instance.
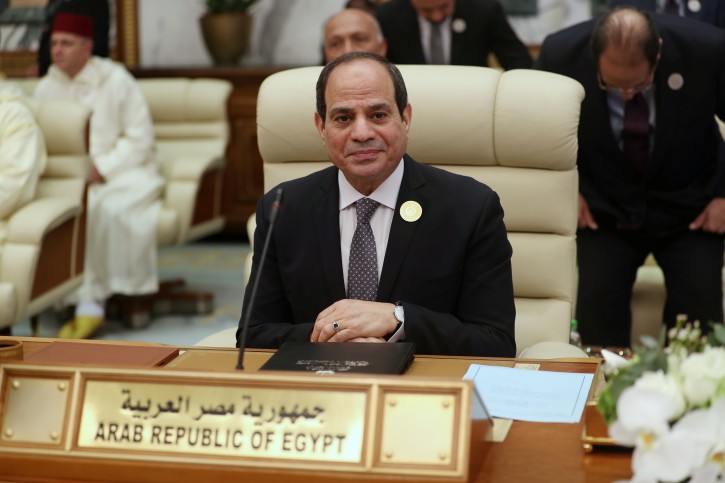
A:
(434, 10)
(70, 52)
(352, 30)
(364, 134)
(624, 74)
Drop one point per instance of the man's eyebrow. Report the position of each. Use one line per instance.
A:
(340, 110)
(380, 106)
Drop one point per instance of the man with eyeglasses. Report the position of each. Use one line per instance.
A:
(651, 163)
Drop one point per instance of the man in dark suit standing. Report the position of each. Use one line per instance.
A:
(650, 163)
(429, 262)
(456, 32)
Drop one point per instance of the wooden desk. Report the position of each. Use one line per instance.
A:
(531, 452)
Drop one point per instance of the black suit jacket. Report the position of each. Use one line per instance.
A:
(685, 170)
(487, 30)
(710, 11)
(451, 269)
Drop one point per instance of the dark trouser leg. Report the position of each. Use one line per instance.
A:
(692, 263)
(608, 262)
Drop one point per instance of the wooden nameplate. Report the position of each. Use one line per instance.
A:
(138, 425)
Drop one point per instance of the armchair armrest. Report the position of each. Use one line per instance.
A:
(30, 223)
(8, 303)
(552, 350)
(193, 191)
(191, 168)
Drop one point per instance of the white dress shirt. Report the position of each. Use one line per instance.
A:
(380, 222)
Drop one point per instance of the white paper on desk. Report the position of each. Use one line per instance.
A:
(539, 396)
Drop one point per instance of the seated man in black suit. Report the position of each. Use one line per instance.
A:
(456, 32)
(650, 163)
(378, 247)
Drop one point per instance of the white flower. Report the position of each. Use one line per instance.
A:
(702, 373)
(642, 417)
(704, 432)
(666, 385)
(613, 361)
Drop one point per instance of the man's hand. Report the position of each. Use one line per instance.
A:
(585, 217)
(712, 218)
(95, 176)
(359, 321)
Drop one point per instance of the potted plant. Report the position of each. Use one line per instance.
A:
(225, 27)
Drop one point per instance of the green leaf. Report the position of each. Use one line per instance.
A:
(717, 336)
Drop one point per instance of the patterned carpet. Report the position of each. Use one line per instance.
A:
(216, 267)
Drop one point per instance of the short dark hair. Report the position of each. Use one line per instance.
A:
(401, 93)
(610, 29)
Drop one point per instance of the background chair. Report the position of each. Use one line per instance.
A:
(515, 131)
(41, 260)
(192, 131)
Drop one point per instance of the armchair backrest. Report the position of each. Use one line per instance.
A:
(515, 131)
(43, 255)
(192, 130)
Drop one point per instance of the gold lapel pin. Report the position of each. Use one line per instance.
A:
(411, 211)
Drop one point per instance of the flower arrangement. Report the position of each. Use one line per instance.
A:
(668, 402)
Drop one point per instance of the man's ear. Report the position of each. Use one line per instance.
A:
(320, 125)
(407, 116)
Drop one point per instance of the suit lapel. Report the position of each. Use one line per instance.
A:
(401, 231)
(669, 102)
(326, 214)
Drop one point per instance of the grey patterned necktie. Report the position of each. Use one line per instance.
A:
(436, 45)
(362, 274)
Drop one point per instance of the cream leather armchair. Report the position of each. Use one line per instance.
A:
(192, 131)
(515, 131)
(41, 260)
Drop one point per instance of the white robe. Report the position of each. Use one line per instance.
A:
(22, 155)
(123, 211)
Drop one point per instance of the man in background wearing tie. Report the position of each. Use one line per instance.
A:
(650, 163)
(456, 32)
(379, 248)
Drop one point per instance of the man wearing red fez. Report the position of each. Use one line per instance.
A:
(125, 186)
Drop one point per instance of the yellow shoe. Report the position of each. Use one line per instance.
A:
(82, 327)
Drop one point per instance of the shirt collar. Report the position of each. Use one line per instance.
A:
(386, 194)
(90, 74)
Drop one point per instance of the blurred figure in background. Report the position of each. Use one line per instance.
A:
(352, 30)
(650, 160)
(98, 10)
(708, 11)
(124, 185)
(456, 32)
